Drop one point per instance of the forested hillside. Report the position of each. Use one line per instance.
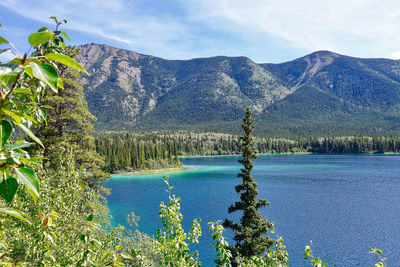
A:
(323, 93)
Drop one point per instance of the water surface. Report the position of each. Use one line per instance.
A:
(343, 203)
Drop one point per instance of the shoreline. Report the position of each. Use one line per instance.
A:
(183, 168)
(149, 171)
(292, 153)
(235, 155)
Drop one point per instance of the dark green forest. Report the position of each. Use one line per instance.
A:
(127, 151)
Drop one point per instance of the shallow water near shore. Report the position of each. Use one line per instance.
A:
(343, 203)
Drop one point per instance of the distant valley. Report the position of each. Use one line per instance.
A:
(323, 93)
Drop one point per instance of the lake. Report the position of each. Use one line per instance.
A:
(343, 203)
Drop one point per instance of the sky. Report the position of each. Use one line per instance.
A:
(266, 31)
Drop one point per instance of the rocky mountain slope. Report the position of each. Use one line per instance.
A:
(323, 93)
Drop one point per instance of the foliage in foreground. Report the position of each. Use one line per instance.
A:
(277, 257)
(69, 225)
(66, 225)
(172, 242)
(315, 261)
(23, 82)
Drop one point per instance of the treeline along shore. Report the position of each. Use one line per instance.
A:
(136, 152)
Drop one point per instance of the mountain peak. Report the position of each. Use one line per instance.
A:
(313, 94)
(324, 53)
(319, 59)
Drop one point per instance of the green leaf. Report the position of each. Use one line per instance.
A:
(46, 73)
(8, 188)
(28, 70)
(41, 115)
(28, 178)
(26, 116)
(15, 213)
(3, 40)
(60, 83)
(32, 161)
(90, 218)
(14, 159)
(25, 91)
(9, 78)
(5, 132)
(16, 61)
(33, 59)
(18, 145)
(62, 44)
(105, 254)
(54, 18)
(47, 106)
(43, 29)
(119, 260)
(66, 60)
(38, 38)
(66, 36)
(126, 256)
(16, 117)
(30, 134)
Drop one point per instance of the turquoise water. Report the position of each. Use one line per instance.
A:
(343, 203)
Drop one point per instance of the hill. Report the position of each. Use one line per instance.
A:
(323, 93)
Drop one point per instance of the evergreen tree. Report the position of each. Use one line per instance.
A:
(69, 125)
(177, 162)
(251, 235)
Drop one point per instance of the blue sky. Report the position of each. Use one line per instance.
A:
(263, 30)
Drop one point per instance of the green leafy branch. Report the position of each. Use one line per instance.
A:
(23, 82)
(172, 244)
(316, 262)
(382, 260)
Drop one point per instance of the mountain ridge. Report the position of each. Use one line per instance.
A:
(316, 93)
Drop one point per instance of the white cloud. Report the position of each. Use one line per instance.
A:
(356, 27)
(394, 55)
(365, 28)
(114, 20)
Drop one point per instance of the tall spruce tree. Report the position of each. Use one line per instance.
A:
(69, 125)
(251, 235)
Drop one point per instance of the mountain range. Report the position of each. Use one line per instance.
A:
(323, 93)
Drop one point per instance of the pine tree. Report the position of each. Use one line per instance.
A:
(69, 125)
(251, 235)
(177, 162)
